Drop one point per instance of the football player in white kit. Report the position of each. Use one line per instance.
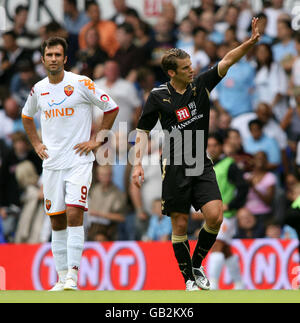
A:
(65, 101)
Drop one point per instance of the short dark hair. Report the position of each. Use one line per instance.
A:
(10, 33)
(127, 27)
(255, 122)
(54, 41)
(21, 8)
(198, 30)
(169, 59)
(215, 135)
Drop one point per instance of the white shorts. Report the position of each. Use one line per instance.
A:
(227, 230)
(66, 187)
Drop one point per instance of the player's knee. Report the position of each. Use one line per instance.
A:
(215, 219)
(179, 224)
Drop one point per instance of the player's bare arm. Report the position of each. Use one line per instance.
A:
(236, 54)
(92, 144)
(140, 147)
(32, 134)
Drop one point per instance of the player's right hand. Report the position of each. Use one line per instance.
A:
(40, 149)
(138, 176)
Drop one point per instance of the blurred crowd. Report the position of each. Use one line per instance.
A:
(255, 115)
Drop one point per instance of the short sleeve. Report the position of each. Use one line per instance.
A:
(96, 96)
(209, 79)
(31, 107)
(149, 115)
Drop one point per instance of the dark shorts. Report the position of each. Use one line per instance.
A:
(180, 192)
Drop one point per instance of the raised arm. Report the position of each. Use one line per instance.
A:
(236, 54)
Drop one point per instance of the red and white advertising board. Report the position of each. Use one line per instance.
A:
(265, 263)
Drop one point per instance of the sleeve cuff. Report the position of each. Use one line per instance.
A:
(26, 117)
(109, 111)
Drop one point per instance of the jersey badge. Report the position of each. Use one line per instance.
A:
(69, 90)
(183, 114)
(48, 205)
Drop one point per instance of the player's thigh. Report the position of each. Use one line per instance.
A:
(176, 190)
(54, 192)
(78, 181)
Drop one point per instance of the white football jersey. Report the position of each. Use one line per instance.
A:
(66, 116)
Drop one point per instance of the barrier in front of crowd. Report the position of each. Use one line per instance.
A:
(130, 265)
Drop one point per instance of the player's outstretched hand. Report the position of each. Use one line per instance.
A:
(255, 32)
(138, 176)
(86, 147)
(40, 149)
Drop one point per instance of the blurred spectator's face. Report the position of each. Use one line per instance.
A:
(20, 147)
(207, 4)
(229, 36)
(273, 231)
(92, 38)
(193, 17)
(111, 70)
(262, 54)
(264, 112)
(256, 131)
(207, 21)
(120, 5)
(277, 3)
(124, 39)
(21, 18)
(169, 11)
(211, 50)
(54, 59)
(290, 181)
(104, 175)
(9, 43)
(283, 31)
(260, 160)
(214, 149)
(232, 16)
(94, 13)
(186, 27)
(199, 39)
(27, 76)
(234, 140)
(222, 51)
(162, 26)
(246, 219)
(12, 108)
(224, 121)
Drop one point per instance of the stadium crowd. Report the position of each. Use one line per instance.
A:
(255, 115)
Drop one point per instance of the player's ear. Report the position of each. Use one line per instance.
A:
(65, 59)
(171, 73)
(42, 59)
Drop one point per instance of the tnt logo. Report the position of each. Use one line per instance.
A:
(183, 114)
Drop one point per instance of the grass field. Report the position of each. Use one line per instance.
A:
(114, 297)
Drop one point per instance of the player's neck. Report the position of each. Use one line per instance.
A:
(178, 86)
(56, 78)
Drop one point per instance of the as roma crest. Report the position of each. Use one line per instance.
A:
(48, 205)
(69, 90)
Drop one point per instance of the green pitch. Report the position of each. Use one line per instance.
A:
(251, 296)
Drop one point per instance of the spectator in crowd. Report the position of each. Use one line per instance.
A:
(10, 119)
(248, 226)
(292, 216)
(291, 181)
(185, 34)
(295, 74)
(224, 121)
(207, 21)
(291, 122)
(234, 93)
(285, 50)
(273, 12)
(106, 207)
(233, 147)
(142, 198)
(121, 9)
(74, 19)
(32, 199)
(160, 227)
(145, 83)
(10, 191)
(10, 56)
(211, 50)
(271, 82)
(106, 29)
(199, 58)
(262, 189)
(258, 141)
(23, 81)
(163, 40)
(275, 230)
(128, 56)
(168, 11)
(144, 39)
(123, 92)
(90, 60)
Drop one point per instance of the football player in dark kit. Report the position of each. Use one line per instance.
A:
(183, 107)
